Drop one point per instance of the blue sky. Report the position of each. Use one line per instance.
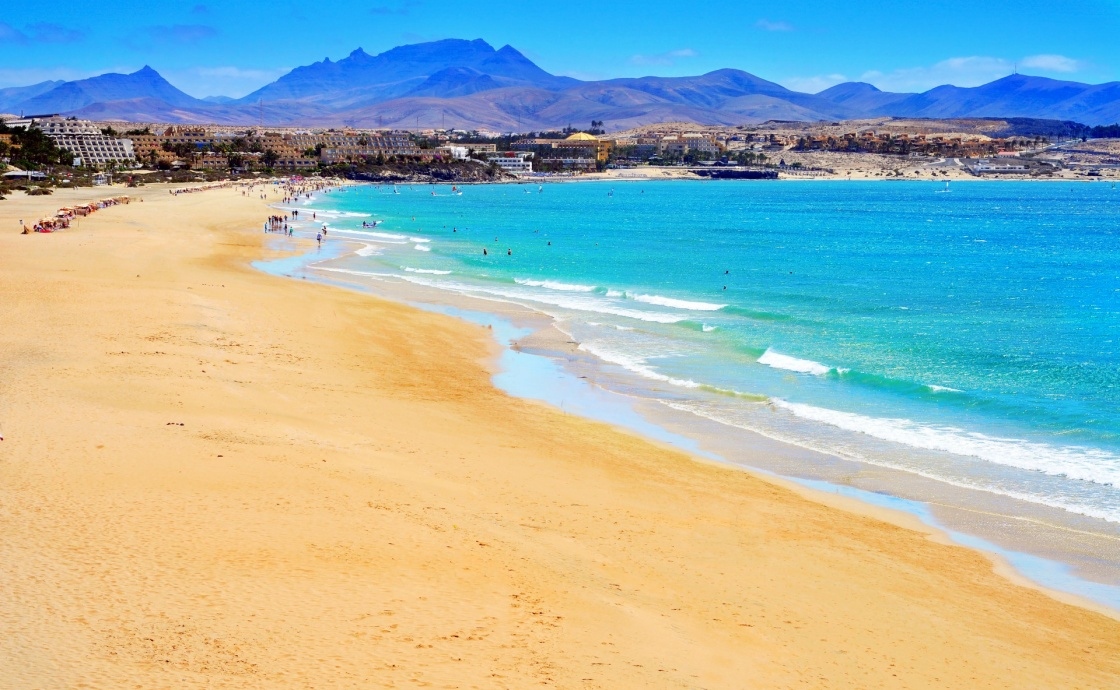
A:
(231, 48)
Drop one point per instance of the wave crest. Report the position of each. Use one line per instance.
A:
(801, 366)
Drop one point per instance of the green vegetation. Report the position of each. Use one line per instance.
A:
(1105, 132)
(31, 149)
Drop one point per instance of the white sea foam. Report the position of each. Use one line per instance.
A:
(367, 250)
(615, 293)
(423, 248)
(430, 271)
(943, 389)
(677, 303)
(801, 366)
(572, 301)
(706, 328)
(1076, 462)
(554, 285)
(386, 235)
(352, 272)
(380, 238)
(421, 240)
(1109, 515)
(636, 365)
(320, 213)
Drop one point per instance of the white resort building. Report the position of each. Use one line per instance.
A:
(82, 138)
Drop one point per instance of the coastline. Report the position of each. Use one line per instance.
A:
(626, 558)
(1012, 535)
(1015, 523)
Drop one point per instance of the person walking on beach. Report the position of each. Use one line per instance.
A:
(319, 238)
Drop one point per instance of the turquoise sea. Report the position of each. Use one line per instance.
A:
(967, 336)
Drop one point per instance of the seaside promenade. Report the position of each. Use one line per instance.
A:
(214, 477)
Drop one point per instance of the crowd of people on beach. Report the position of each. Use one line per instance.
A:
(278, 224)
(61, 219)
(303, 188)
(211, 186)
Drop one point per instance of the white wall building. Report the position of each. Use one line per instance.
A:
(82, 138)
(520, 163)
(96, 150)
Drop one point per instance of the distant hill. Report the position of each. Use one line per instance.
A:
(361, 79)
(861, 97)
(144, 83)
(1017, 95)
(462, 83)
(12, 97)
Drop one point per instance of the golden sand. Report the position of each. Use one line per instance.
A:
(213, 477)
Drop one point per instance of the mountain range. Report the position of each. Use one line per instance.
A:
(469, 84)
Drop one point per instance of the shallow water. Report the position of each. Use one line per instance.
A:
(968, 336)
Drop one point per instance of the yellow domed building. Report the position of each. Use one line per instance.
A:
(603, 147)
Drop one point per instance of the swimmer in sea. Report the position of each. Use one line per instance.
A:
(484, 251)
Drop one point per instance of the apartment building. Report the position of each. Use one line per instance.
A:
(683, 144)
(96, 150)
(82, 138)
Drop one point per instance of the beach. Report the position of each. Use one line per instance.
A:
(212, 476)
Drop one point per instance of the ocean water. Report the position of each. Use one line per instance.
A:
(965, 336)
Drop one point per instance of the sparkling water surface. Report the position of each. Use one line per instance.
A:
(965, 335)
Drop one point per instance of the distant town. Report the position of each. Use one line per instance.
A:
(54, 146)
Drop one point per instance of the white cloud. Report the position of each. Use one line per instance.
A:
(813, 84)
(1051, 63)
(966, 71)
(767, 25)
(667, 58)
(959, 71)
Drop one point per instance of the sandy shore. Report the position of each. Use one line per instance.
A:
(213, 477)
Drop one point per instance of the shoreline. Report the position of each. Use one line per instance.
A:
(325, 429)
(1011, 523)
(1041, 573)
